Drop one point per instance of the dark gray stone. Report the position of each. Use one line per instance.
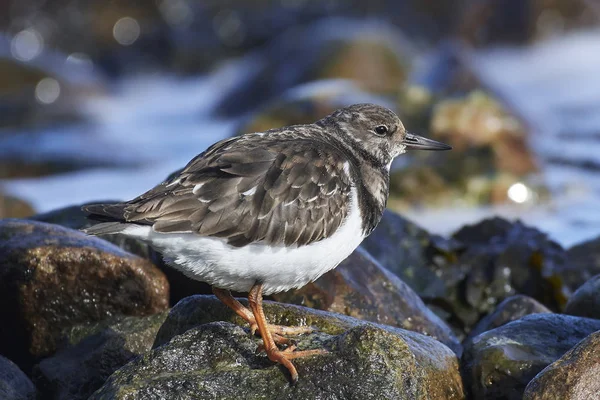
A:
(584, 263)
(97, 351)
(498, 364)
(585, 302)
(511, 309)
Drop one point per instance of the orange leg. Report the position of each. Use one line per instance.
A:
(274, 354)
(278, 330)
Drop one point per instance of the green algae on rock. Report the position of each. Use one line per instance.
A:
(195, 356)
(74, 217)
(506, 258)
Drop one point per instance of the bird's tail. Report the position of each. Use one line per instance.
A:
(105, 228)
(110, 218)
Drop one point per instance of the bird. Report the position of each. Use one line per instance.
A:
(271, 211)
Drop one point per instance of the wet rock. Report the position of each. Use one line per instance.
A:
(427, 263)
(506, 258)
(511, 309)
(584, 263)
(375, 57)
(14, 384)
(217, 359)
(307, 103)
(96, 351)
(12, 207)
(74, 217)
(490, 154)
(572, 377)
(585, 302)
(361, 288)
(180, 286)
(52, 278)
(501, 362)
(463, 278)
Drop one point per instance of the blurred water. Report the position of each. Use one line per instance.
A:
(152, 126)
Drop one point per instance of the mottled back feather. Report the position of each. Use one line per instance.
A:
(280, 190)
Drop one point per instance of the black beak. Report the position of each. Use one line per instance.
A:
(416, 142)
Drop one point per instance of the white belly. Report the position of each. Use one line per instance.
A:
(280, 268)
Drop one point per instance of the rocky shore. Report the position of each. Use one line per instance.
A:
(84, 318)
(493, 310)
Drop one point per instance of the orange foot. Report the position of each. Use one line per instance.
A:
(272, 335)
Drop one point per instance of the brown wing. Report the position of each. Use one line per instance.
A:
(289, 192)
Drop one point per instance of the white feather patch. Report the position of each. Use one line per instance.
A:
(280, 268)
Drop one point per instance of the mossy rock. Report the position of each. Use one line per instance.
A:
(197, 357)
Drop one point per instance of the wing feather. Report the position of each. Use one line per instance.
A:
(282, 192)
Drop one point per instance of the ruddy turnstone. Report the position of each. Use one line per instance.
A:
(271, 211)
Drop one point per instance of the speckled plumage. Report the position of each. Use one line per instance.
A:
(284, 188)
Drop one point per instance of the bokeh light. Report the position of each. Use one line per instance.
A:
(126, 31)
(27, 44)
(47, 91)
(519, 193)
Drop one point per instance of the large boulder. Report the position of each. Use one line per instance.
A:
(198, 357)
(74, 217)
(52, 278)
(361, 288)
(498, 364)
(572, 377)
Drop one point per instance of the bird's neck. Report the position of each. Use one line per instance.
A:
(372, 177)
(372, 195)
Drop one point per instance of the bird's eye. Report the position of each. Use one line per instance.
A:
(381, 130)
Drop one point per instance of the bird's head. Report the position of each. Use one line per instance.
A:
(379, 132)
